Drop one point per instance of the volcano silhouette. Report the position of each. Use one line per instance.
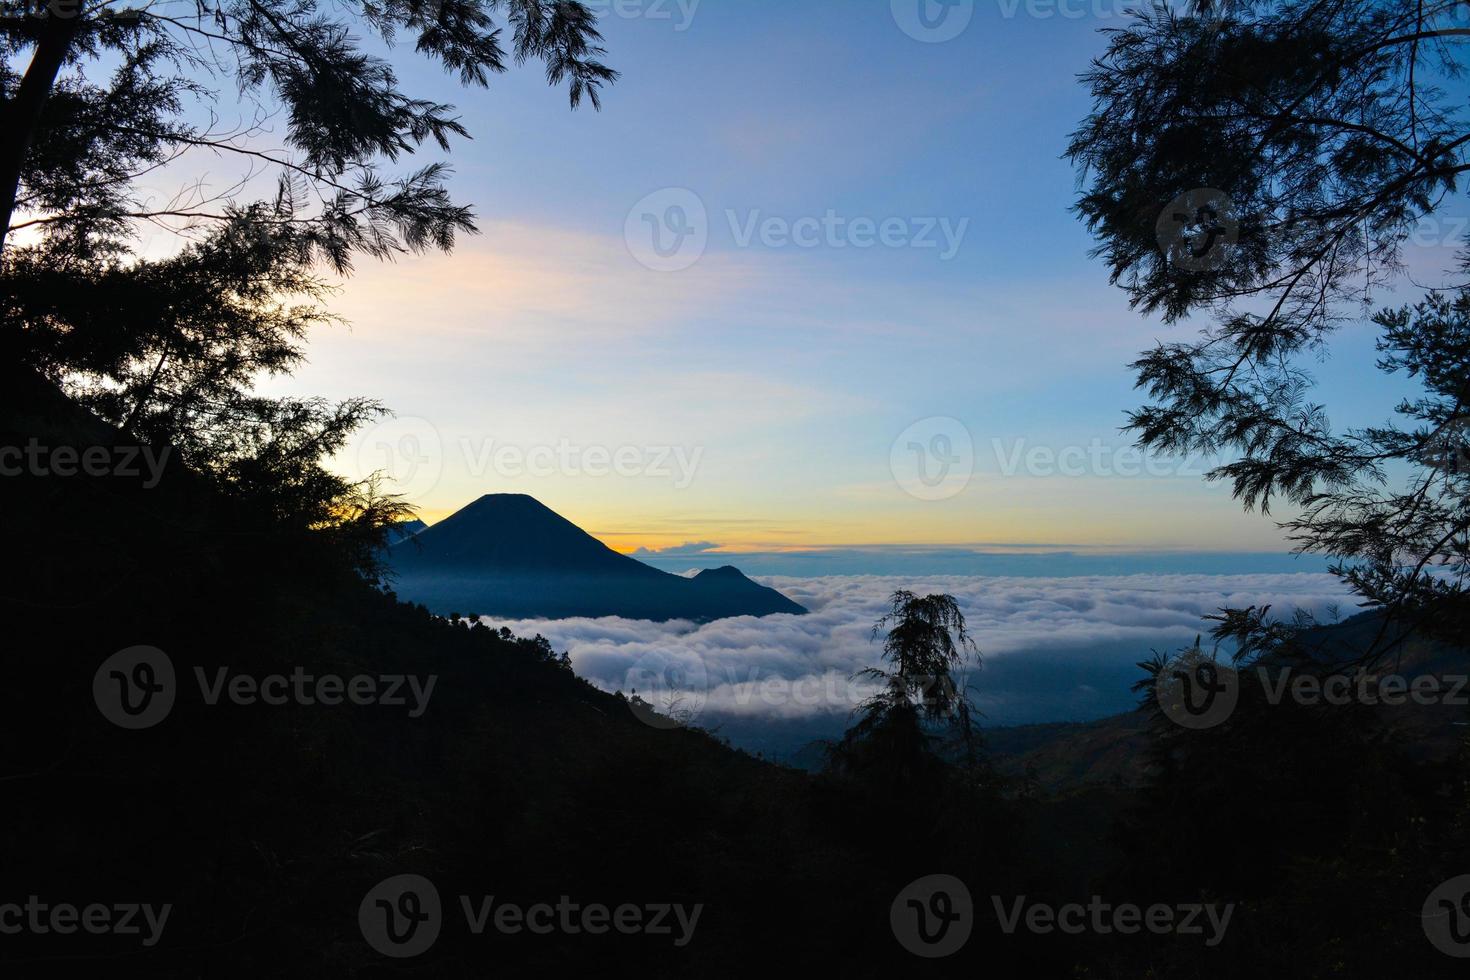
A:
(509, 555)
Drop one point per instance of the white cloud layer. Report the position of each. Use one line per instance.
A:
(1053, 648)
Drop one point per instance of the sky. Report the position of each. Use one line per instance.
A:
(809, 280)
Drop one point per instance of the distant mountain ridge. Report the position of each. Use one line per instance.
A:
(510, 555)
(1067, 755)
(405, 529)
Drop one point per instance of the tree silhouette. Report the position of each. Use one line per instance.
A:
(925, 644)
(74, 146)
(94, 95)
(1264, 164)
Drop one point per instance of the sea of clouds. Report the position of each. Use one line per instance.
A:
(1052, 649)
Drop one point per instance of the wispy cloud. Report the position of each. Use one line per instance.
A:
(687, 548)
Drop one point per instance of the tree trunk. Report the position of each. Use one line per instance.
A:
(20, 115)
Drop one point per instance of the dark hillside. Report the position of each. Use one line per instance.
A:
(264, 825)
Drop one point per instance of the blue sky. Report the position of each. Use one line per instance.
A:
(765, 395)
